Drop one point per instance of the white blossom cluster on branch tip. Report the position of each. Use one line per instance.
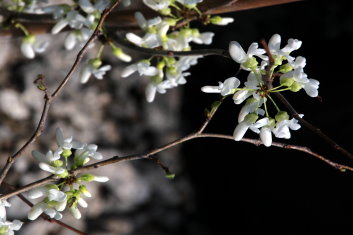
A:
(286, 74)
(68, 193)
(160, 33)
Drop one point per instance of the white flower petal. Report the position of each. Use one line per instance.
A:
(266, 136)
(59, 26)
(75, 212)
(86, 73)
(56, 195)
(37, 193)
(101, 179)
(237, 52)
(82, 202)
(240, 130)
(36, 211)
(27, 50)
(150, 92)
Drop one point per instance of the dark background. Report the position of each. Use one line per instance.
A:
(243, 189)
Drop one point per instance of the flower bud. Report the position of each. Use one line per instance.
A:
(87, 177)
(165, 11)
(118, 52)
(96, 63)
(66, 153)
(57, 163)
(295, 87)
(170, 21)
(84, 191)
(29, 39)
(285, 68)
(287, 82)
(281, 116)
(250, 63)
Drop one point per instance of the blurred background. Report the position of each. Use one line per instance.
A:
(221, 186)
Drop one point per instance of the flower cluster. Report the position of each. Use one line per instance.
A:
(286, 70)
(168, 33)
(69, 155)
(7, 227)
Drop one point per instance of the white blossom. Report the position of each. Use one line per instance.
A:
(225, 88)
(30, 46)
(143, 67)
(238, 54)
(91, 68)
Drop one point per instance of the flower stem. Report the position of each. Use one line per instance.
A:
(274, 103)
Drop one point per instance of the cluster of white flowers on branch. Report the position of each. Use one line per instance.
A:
(259, 86)
(69, 155)
(162, 33)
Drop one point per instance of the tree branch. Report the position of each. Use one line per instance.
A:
(312, 128)
(49, 98)
(153, 52)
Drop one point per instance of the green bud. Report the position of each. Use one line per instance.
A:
(170, 60)
(66, 153)
(285, 68)
(278, 60)
(52, 186)
(57, 163)
(164, 38)
(251, 117)
(51, 203)
(186, 32)
(82, 188)
(170, 21)
(156, 79)
(4, 229)
(170, 176)
(160, 65)
(87, 177)
(295, 87)
(195, 32)
(152, 30)
(281, 116)
(287, 82)
(165, 11)
(271, 122)
(64, 175)
(42, 88)
(251, 101)
(96, 63)
(172, 70)
(216, 20)
(117, 51)
(29, 39)
(250, 63)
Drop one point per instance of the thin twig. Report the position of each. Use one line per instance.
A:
(45, 217)
(49, 98)
(153, 52)
(312, 127)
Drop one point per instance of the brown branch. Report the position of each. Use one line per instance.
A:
(312, 128)
(242, 5)
(267, 78)
(153, 52)
(45, 217)
(49, 98)
(117, 159)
